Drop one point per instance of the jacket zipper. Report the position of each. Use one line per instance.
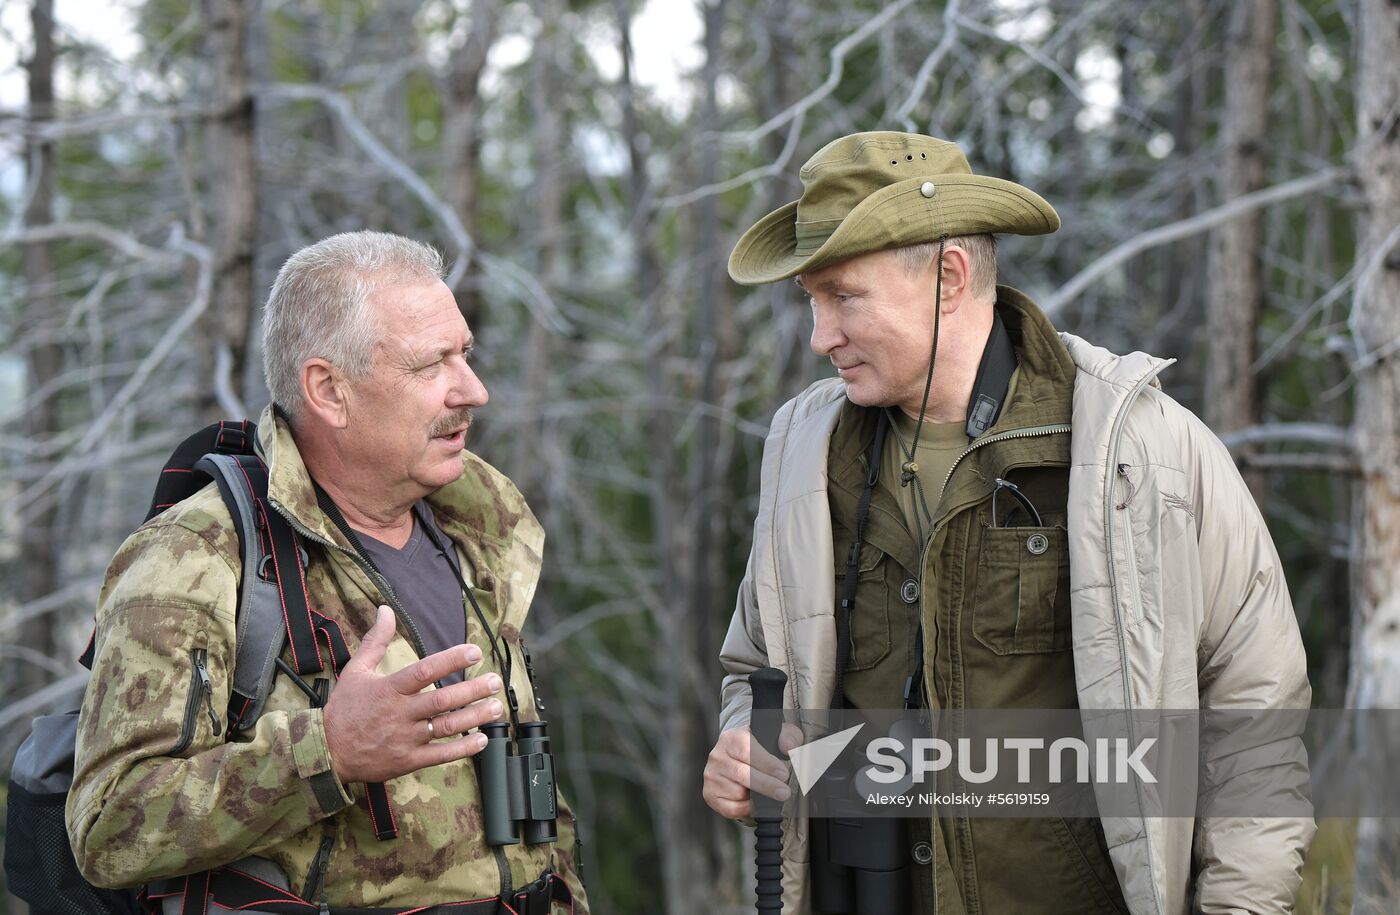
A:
(1027, 432)
(1115, 440)
(1128, 546)
(378, 580)
(316, 877)
(201, 693)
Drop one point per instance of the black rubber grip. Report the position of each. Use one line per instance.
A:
(769, 859)
(767, 684)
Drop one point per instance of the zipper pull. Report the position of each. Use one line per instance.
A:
(1132, 490)
(316, 877)
(530, 673)
(207, 686)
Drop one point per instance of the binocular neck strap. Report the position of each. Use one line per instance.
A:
(847, 605)
(499, 652)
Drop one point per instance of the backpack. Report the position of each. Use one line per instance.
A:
(39, 863)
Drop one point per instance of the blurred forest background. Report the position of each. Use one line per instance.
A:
(1227, 171)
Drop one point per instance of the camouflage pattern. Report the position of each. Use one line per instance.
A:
(142, 807)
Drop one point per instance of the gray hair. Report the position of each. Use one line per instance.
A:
(981, 254)
(319, 307)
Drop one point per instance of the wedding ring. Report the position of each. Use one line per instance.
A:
(431, 735)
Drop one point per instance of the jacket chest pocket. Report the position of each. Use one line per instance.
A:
(1022, 590)
(870, 621)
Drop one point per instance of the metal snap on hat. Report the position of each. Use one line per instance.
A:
(871, 191)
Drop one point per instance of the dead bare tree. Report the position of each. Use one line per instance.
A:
(1375, 325)
(1235, 290)
(232, 181)
(462, 136)
(40, 555)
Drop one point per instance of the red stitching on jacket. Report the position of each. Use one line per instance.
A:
(286, 617)
(393, 823)
(374, 820)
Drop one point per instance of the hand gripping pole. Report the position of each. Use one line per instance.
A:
(767, 684)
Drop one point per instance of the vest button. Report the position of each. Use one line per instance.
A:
(923, 853)
(1037, 544)
(910, 591)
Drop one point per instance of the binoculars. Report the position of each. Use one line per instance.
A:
(517, 790)
(859, 864)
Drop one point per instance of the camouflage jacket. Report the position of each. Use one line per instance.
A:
(157, 793)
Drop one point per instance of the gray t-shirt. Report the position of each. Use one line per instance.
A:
(425, 584)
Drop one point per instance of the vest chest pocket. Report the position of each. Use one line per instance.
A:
(870, 624)
(1022, 592)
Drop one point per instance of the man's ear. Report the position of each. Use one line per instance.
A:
(957, 277)
(325, 394)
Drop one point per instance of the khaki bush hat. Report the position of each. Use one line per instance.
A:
(871, 191)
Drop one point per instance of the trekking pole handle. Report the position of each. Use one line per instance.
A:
(767, 685)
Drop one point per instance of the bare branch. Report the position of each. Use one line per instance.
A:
(51, 602)
(1193, 225)
(19, 126)
(935, 57)
(1327, 463)
(114, 238)
(541, 304)
(748, 177)
(230, 404)
(93, 434)
(833, 77)
(42, 701)
(37, 658)
(339, 105)
(1363, 283)
(1312, 433)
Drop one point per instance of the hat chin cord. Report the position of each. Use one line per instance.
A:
(909, 469)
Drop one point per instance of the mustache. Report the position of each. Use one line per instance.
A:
(450, 423)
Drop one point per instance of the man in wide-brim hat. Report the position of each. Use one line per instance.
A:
(982, 513)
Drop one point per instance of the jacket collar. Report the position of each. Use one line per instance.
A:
(482, 512)
(1045, 378)
(289, 486)
(1119, 371)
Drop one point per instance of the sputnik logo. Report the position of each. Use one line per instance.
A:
(810, 761)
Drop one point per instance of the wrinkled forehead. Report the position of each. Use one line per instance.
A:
(418, 315)
(862, 266)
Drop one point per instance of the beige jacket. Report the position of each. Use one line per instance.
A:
(1178, 602)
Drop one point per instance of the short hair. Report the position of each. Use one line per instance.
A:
(981, 254)
(319, 306)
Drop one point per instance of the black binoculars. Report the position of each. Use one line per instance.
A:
(859, 864)
(517, 790)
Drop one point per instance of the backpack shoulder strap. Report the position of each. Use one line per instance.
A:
(273, 604)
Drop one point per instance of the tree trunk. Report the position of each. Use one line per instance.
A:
(461, 143)
(791, 318)
(1375, 673)
(534, 451)
(231, 183)
(691, 867)
(39, 556)
(1179, 263)
(1235, 293)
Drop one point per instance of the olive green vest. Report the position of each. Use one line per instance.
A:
(994, 603)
